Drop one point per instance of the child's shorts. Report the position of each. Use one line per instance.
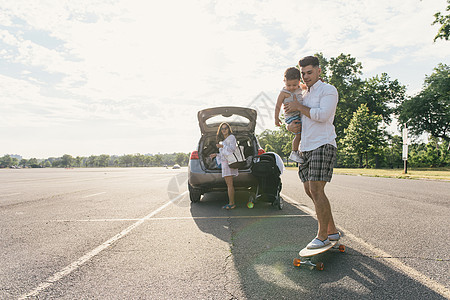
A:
(289, 120)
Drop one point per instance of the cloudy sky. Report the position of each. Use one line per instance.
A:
(123, 76)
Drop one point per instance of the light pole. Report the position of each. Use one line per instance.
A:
(405, 149)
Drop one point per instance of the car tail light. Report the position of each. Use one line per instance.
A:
(261, 151)
(194, 155)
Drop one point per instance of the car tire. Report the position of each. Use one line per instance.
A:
(280, 203)
(194, 194)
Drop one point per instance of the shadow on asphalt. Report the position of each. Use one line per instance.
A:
(264, 241)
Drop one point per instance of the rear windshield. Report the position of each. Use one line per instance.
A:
(234, 119)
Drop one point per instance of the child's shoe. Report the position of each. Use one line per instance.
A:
(295, 156)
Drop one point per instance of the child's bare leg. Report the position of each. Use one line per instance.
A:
(295, 154)
(296, 142)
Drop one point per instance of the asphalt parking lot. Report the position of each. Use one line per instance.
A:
(133, 233)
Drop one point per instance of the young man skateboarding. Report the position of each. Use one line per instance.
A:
(318, 145)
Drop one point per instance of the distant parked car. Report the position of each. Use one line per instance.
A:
(203, 173)
(176, 166)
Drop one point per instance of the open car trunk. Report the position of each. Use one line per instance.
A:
(241, 119)
(208, 146)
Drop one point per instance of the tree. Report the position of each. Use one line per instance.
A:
(182, 159)
(103, 160)
(269, 148)
(433, 154)
(393, 152)
(6, 161)
(92, 161)
(23, 162)
(429, 111)
(444, 31)
(278, 141)
(323, 63)
(138, 160)
(67, 160)
(158, 160)
(127, 160)
(78, 161)
(381, 95)
(364, 135)
(33, 162)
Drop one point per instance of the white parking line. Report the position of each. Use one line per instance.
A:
(82, 260)
(186, 218)
(408, 271)
(228, 217)
(88, 196)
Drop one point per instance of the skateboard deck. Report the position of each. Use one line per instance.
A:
(306, 255)
(305, 252)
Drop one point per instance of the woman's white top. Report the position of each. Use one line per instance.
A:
(229, 146)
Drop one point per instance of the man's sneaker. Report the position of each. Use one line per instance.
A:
(295, 156)
(316, 244)
(334, 236)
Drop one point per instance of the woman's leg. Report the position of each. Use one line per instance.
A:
(230, 186)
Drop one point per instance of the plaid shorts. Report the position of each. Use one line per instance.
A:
(318, 165)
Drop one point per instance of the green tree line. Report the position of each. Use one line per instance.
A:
(104, 160)
(367, 106)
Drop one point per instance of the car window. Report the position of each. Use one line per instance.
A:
(232, 119)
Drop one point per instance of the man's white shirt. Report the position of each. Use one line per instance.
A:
(322, 99)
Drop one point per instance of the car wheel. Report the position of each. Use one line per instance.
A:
(280, 203)
(194, 194)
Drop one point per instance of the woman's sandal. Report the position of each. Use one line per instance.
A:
(229, 206)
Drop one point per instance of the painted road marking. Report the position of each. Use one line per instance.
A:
(184, 218)
(82, 260)
(408, 271)
(88, 196)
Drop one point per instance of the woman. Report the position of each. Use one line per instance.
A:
(227, 147)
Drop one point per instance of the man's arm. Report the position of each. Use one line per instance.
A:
(327, 106)
(297, 106)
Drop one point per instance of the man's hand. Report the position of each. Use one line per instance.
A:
(292, 106)
(295, 126)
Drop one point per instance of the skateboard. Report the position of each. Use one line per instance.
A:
(306, 255)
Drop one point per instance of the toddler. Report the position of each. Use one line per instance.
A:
(292, 91)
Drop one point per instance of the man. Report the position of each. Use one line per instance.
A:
(318, 145)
